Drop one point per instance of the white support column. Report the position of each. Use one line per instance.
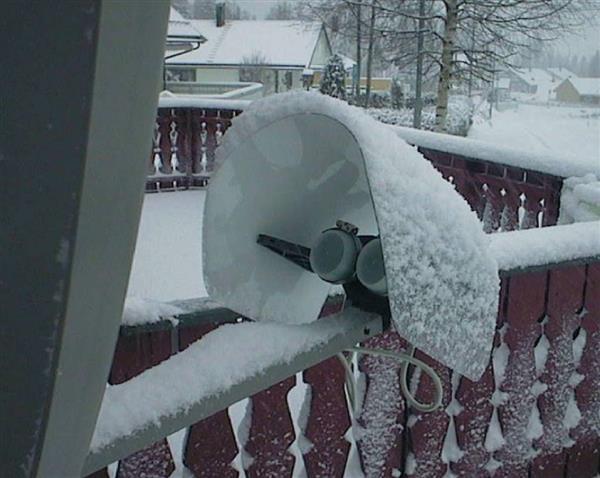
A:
(79, 94)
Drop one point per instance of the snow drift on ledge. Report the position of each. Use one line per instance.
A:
(443, 284)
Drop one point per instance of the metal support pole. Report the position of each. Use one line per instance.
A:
(358, 52)
(493, 89)
(79, 96)
(419, 78)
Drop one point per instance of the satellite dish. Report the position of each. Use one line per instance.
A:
(310, 192)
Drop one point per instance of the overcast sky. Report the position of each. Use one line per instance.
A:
(586, 42)
(257, 7)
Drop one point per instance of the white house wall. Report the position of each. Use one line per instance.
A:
(210, 75)
(322, 51)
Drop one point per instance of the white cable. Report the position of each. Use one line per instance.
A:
(406, 359)
(350, 383)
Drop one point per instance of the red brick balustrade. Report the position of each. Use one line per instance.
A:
(533, 413)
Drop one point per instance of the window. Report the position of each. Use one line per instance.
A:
(181, 74)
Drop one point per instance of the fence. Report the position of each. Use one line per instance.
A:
(184, 142)
(533, 413)
(506, 197)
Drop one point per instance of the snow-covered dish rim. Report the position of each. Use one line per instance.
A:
(444, 283)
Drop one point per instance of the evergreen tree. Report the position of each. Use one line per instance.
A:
(573, 63)
(593, 70)
(582, 67)
(282, 11)
(333, 81)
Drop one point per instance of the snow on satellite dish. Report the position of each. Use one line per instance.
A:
(297, 164)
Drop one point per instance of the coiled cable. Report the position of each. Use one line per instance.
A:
(406, 359)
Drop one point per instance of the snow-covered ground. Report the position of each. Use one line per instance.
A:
(167, 264)
(563, 130)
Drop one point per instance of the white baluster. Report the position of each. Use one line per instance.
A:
(173, 134)
(203, 138)
(219, 134)
(157, 162)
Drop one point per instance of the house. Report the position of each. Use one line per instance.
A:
(280, 54)
(503, 89)
(536, 83)
(181, 35)
(380, 85)
(560, 74)
(579, 90)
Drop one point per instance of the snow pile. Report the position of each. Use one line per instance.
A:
(139, 311)
(220, 360)
(580, 199)
(443, 284)
(545, 245)
(167, 263)
(460, 112)
(562, 141)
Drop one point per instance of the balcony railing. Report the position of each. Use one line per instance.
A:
(533, 413)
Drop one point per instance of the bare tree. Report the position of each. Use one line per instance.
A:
(205, 9)
(351, 24)
(466, 38)
(358, 18)
(373, 16)
(283, 11)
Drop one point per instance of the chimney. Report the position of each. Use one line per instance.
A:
(220, 13)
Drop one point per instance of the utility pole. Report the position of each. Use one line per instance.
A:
(370, 53)
(358, 52)
(471, 60)
(493, 90)
(419, 79)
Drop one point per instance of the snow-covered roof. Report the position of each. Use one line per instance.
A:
(276, 42)
(533, 76)
(180, 27)
(586, 86)
(561, 73)
(348, 62)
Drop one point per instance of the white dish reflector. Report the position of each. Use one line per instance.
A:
(294, 164)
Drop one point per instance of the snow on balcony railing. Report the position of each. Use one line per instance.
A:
(534, 412)
(552, 164)
(525, 250)
(509, 189)
(217, 90)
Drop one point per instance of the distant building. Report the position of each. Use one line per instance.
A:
(536, 83)
(579, 90)
(560, 74)
(379, 85)
(181, 35)
(503, 89)
(282, 55)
